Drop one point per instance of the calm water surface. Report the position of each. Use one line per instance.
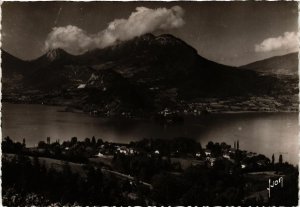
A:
(265, 133)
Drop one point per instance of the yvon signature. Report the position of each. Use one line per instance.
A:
(274, 183)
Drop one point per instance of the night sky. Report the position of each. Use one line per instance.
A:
(225, 32)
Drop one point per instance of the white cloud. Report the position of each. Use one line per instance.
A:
(70, 37)
(287, 42)
(141, 21)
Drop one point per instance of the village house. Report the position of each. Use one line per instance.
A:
(207, 152)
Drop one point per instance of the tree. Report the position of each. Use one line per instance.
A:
(87, 141)
(48, 140)
(73, 140)
(273, 159)
(167, 189)
(24, 142)
(210, 145)
(42, 144)
(93, 141)
(280, 159)
(99, 142)
(7, 145)
(224, 146)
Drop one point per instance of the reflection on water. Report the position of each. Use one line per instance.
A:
(265, 133)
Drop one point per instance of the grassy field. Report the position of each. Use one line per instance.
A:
(106, 160)
(53, 163)
(76, 167)
(185, 163)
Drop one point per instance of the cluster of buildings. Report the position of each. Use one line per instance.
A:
(232, 155)
(210, 155)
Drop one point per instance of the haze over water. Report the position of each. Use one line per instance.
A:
(264, 133)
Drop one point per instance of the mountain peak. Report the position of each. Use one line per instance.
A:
(147, 36)
(165, 39)
(56, 53)
(162, 39)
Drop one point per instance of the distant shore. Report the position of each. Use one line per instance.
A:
(71, 109)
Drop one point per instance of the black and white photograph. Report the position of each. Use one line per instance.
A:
(149, 103)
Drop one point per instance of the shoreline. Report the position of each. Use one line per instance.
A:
(64, 108)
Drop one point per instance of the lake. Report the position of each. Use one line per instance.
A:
(265, 133)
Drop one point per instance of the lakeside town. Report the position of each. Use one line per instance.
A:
(145, 172)
(283, 103)
(72, 100)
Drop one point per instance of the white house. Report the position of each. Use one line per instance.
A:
(207, 152)
(81, 86)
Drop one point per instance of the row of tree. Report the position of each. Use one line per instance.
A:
(22, 177)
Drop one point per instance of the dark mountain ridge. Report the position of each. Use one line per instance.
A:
(282, 65)
(145, 73)
(11, 64)
(13, 70)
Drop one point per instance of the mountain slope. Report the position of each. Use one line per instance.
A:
(282, 65)
(147, 73)
(167, 62)
(56, 70)
(13, 70)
